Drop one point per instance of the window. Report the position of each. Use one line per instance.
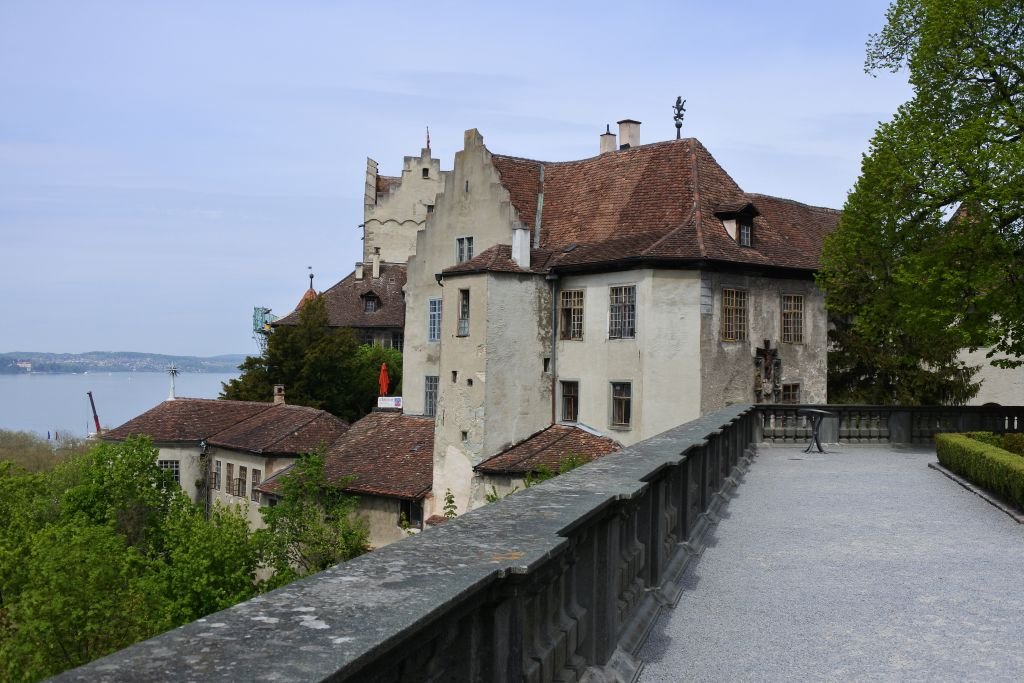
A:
(430, 396)
(463, 330)
(216, 475)
(412, 512)
(622, 400)
(463, 249)
(426, 173)
(793, 318)
(746, 232)
(370, 303)
(622, 313)
(434, 320)
(172, 466)
(791, 393)
(254, 494)
(430, 208)
(570, 401)
(465, 436)
(230, 478)
(571, 319)
(734, 315)
(240, 482)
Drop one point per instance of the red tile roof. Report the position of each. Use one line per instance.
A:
(388, 453)
(344, 301)
(498, 259)
(238, 425)
(657, 202)
(548, 448)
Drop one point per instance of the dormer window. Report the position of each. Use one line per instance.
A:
(746, 232)
(370, 303)
(738, 220)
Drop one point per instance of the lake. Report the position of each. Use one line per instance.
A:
(41, 403)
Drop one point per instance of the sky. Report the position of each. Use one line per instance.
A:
(166, 166)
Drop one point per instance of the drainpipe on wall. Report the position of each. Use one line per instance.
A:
(553, 279)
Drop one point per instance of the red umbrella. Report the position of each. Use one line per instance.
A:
(383, 380)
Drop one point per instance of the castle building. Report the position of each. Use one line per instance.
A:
(620, 294)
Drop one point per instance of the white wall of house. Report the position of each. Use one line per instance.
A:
(391, 219)
(382, 516)
(474, 204)
(190, 466)
(998, 385)
(225, 495)
(661, 362)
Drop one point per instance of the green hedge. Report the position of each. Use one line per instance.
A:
(983, 464)
(1011, 441)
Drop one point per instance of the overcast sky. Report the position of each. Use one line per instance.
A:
(166, 166)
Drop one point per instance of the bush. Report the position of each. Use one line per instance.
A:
(1008, 442)
(983, 464)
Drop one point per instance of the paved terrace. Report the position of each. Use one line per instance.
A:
(860, 564)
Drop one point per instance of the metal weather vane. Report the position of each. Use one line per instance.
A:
(679, 111)
(173, 371)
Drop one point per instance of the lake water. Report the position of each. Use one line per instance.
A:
(41, 403)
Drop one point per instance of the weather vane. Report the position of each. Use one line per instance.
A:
(679, 111)
(173, 371)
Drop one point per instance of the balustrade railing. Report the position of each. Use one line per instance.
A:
(549, 584)
(884, 424)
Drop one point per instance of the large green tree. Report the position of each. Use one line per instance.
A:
(928, 258)
(320, 366)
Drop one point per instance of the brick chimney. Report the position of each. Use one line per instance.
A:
(607, 140)
(629, 133)
(278, 394)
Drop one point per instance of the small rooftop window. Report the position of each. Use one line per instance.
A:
(370, 303)
(738, 220)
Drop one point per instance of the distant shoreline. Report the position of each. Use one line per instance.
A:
(38, 363)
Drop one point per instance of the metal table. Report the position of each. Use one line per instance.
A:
(816, 416)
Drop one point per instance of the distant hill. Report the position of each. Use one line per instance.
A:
(19, 362)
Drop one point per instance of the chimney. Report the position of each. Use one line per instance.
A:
(278, 394)
(629, 133)
(359, 271)
(521, 247)
(607, 140)
(375, 261)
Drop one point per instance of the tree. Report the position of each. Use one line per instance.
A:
(320, 366)
(928, 258)
(314, 525)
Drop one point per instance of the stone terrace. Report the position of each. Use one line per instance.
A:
(859, 564)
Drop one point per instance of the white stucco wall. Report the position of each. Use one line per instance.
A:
(998, 385)
(728, 366)
(662, 362)
(392, 219)
(382, 517)
(483, 212)
(189, 463)
(266, 466)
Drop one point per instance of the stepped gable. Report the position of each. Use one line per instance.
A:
(548, 448)
(657, 203)
(344, 301)
(498, 259)
(282, 430)
(388, 453)
(187, 419)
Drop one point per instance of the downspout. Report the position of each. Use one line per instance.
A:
(553, 279)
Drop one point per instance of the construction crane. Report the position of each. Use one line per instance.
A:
(261, 320)
(95, 417)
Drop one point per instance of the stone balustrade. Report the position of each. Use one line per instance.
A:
(559, 582)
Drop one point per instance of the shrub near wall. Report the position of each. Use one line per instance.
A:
(983, 464)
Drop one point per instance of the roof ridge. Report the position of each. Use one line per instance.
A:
(794, 201)
(594, 156)
(696, 210)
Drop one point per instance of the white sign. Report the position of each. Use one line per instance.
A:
(389, 401)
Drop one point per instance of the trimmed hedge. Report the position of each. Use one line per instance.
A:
(983, 464)
(1011, 441)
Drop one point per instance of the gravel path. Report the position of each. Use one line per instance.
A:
(859, 564)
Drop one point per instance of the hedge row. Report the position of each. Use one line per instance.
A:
(985, 465)
(1011, 441)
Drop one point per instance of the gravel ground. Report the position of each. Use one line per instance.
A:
(859, 564)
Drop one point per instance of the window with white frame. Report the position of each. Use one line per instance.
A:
(793, 318)
(734, 315)
(745, 238)
(570, 401)
(622, 312)
(216, 475)
(434, 319)
(172, 466)
(622, 404)
(463, 330)
(571, 318)
(463, 249)
(370, 303)
(430, 395)
(256, 477)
